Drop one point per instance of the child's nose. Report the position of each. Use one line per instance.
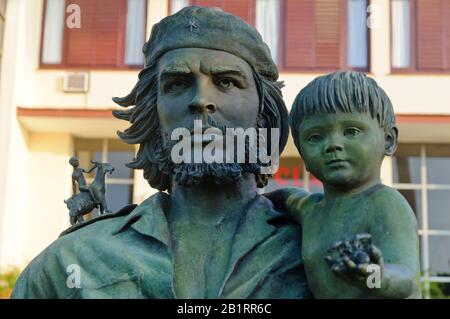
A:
(333, 145)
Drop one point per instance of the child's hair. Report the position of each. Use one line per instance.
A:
(342, 91)
(73, 161)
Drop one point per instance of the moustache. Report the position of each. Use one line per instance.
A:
(210, 123)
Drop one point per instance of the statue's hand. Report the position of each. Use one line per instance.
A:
(354, 260)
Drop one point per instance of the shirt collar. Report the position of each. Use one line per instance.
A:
(149, 218)
(257, 222)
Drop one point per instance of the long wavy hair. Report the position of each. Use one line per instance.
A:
(145, 126)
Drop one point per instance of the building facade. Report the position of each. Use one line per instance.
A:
(62, 61)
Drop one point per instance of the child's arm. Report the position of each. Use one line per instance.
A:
(394, 229)
(289, 200)
(90, 170)
(394, 253)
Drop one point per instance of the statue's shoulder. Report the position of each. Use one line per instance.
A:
(122, 212)
(105, 223)
(388, 204)
(385, 199)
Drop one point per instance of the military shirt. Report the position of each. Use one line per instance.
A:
(128, 255)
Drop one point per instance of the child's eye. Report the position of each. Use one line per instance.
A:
(314, 138)
(351, 131)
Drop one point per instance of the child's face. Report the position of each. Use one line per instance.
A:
(344, 150)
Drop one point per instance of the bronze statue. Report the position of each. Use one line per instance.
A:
(343, 125)
(207, 233)
(78, 176)
(89, 197)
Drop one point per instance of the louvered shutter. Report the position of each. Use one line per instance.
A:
(313, 34)
(430, 27)
(299, 34)
(327, 34)
(245, 9)
(446, 12)
(100, 40)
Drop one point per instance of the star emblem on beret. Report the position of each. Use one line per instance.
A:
(192, 24)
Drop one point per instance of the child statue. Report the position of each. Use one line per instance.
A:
(78, 176)
(360, 236)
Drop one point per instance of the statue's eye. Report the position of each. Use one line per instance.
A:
(225, 83)
(174, 86)
(351, 132)
(314, 138)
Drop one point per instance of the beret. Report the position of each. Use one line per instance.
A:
(210, 28)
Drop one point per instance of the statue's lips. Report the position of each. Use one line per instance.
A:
(336, 162)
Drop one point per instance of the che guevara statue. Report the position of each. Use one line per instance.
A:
(207, 233)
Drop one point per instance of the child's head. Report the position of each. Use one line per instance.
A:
(74, 161)
(343, 124)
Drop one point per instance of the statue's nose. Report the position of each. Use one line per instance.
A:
(201, 105)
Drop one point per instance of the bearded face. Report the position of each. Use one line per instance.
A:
(213, 86)
(229, 165)
(186, 85)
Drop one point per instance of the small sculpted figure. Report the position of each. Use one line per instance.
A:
(91, 196)
(359, 236)
(78, 176)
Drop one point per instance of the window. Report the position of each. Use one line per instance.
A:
(119, 185)
(111, 34)
(325, 34)
(420, 173)
(420, 35)
(292, 173)
(304, 34)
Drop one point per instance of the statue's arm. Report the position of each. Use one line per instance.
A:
(385, 262)
(33, 282)
(289, 200)
(394, 231)
(90, 170)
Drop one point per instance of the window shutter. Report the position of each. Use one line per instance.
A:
(207, 3)
(430, 27)
(299, 34)
(446, 12)
(327, 34)
(244, 9)
(313, 36)
(100, 40)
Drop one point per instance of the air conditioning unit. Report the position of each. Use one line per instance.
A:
(76, 82)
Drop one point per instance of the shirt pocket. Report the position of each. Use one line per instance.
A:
(127, 286)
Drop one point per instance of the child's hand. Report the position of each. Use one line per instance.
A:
(350, 259)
